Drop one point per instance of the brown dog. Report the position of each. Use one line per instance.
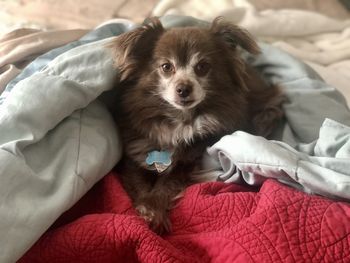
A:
(181, 90)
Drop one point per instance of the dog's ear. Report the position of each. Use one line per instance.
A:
(133, 48)
(234, 35)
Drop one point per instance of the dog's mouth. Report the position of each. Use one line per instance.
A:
(185, 103)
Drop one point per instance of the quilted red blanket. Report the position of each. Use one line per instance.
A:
(214, 222)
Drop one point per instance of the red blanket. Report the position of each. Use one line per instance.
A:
(214, 222)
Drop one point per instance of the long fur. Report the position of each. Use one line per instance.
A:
(233, 97)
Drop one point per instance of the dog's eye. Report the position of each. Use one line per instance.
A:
(202, 68)
(167, 67)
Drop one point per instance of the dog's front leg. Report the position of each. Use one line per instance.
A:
(155, 206)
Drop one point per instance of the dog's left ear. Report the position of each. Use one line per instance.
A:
(234, 35)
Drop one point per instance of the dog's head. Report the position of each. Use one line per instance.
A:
(185, 65)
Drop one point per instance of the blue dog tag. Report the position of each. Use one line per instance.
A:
(160, 159)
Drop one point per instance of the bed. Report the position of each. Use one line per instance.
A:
(281, 200)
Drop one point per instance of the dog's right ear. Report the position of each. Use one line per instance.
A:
(133, 48)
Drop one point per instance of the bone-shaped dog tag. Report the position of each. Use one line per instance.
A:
(160, 159)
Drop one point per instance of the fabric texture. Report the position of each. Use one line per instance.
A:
(213, 222)
(320, 167)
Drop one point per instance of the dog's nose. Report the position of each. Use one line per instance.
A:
(184, 90)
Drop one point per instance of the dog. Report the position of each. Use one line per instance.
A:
(179, 91)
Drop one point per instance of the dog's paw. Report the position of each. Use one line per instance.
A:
(157, 220)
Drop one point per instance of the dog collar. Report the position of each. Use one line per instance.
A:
(160, 159)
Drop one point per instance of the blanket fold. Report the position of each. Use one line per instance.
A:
(322, 168)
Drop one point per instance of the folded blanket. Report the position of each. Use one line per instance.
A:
(57, 139)
(319, 167)
(213, 222)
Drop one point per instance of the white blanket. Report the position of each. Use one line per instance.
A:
(321, 42)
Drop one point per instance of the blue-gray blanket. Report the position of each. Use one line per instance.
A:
(57, 138)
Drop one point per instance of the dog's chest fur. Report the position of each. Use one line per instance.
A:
(180, 136)
(171, 133)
